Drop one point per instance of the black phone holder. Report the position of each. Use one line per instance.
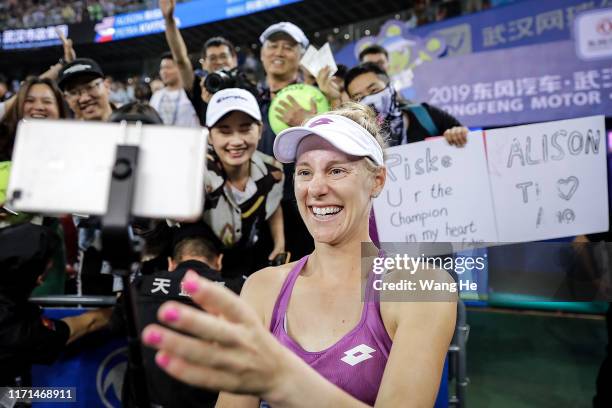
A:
(119, 250)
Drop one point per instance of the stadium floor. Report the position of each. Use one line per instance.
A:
(533, 359)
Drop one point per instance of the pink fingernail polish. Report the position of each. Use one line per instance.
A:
(171, 314)
(153, 337)
(162, 360)
(190, 285)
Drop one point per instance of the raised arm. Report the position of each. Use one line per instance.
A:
(87, 322)
(177, 44)
(69, 56)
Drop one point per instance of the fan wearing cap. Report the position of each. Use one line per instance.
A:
(283, 45)
(82, 82)
(330, 344)
(243, 185)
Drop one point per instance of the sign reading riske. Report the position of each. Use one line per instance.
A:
(436, 193)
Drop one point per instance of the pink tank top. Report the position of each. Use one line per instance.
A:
(357, 361)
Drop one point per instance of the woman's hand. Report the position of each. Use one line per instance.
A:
(292, 113)
(329, 87)
(69, 52)
(226, 349)
(456, 136)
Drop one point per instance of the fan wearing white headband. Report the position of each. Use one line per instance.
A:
(301, 335)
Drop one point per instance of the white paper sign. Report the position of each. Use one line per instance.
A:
(436, 193)
(314, 60)
(549, 180)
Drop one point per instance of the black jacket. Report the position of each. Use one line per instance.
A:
(26, 337)
(152, 291)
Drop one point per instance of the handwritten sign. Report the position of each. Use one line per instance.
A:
(436, 193)
(549, 180)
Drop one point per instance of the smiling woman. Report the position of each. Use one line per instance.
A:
(243, 186)
(304, 334)
(37, 98)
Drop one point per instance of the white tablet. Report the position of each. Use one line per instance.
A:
(65, 167)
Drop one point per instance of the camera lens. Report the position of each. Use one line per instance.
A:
(213, 83)
(216, 81)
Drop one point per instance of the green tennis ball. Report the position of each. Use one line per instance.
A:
(302, 94)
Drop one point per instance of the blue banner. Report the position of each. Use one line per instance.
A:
(523, 23)
(513, 64)
(514, 25)
(519, 85)
(189, 14)
(94, 365)
(33, 37)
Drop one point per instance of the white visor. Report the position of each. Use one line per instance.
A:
(344, 134)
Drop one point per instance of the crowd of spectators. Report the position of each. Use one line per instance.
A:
(39, 13)
(255, 215)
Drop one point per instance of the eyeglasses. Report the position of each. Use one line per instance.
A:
(92, 89)
(221, 58)
(284, 45)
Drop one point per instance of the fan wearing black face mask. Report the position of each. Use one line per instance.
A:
(405, 123)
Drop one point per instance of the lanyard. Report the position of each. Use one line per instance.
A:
(175, 102)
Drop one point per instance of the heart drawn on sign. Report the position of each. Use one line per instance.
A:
(567, 187)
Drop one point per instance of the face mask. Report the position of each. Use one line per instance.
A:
(382, 102)
(388, 112)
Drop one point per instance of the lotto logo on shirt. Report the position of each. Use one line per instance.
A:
(358, 354)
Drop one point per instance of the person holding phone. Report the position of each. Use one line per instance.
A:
(304, 334)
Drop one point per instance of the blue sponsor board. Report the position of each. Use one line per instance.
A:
(94, 365)
(189, 14)
(513, 64)
(535, 83)
(522, 23)
(33, 37)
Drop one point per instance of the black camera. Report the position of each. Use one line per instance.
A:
(223, 79)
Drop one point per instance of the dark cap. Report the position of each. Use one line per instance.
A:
(80, 67)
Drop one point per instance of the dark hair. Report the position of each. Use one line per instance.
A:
(15, 113)
(142, 91)
(216, 42)
(136, 112)
(341, 72)
(373, 49)
(3, 79)
(194, 246)
(364, 68)
(166, 55)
